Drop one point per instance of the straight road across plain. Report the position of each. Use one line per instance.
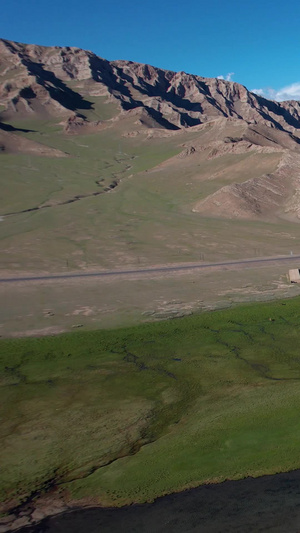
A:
(154, 269)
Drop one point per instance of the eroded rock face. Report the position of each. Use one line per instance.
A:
(261, 197)
(55, 81)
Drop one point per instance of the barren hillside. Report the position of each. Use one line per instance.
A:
(61, 81)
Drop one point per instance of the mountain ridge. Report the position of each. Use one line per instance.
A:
(37, 80)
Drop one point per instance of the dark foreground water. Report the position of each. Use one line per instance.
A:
(266, 504)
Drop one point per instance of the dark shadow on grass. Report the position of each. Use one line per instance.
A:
(10, 128)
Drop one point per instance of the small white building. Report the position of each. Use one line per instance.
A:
(294, 275)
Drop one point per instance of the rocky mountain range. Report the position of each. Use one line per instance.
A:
(65, 85)
(54, 81)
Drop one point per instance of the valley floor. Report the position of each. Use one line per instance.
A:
(56, 305)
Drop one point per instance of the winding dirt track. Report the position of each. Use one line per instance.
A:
(156, 269)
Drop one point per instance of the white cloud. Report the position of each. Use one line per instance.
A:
(227, 77)
(289, 92)
(260, 92)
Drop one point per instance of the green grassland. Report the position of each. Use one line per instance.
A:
(125, 415)
(147, 219)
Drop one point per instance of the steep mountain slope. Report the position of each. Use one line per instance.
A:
(57, 81)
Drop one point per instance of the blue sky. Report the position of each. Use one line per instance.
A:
(256, 43)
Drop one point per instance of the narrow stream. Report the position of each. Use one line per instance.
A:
(265, 504)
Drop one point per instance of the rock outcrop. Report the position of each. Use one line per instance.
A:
(60, 81)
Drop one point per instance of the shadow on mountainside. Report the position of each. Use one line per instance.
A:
(277, 109)
(56, 88)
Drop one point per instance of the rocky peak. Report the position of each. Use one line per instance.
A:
(56, 80)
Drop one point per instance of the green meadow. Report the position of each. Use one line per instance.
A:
(126, 415)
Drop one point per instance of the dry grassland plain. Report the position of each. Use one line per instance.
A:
(146, 219)
(56, 306)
